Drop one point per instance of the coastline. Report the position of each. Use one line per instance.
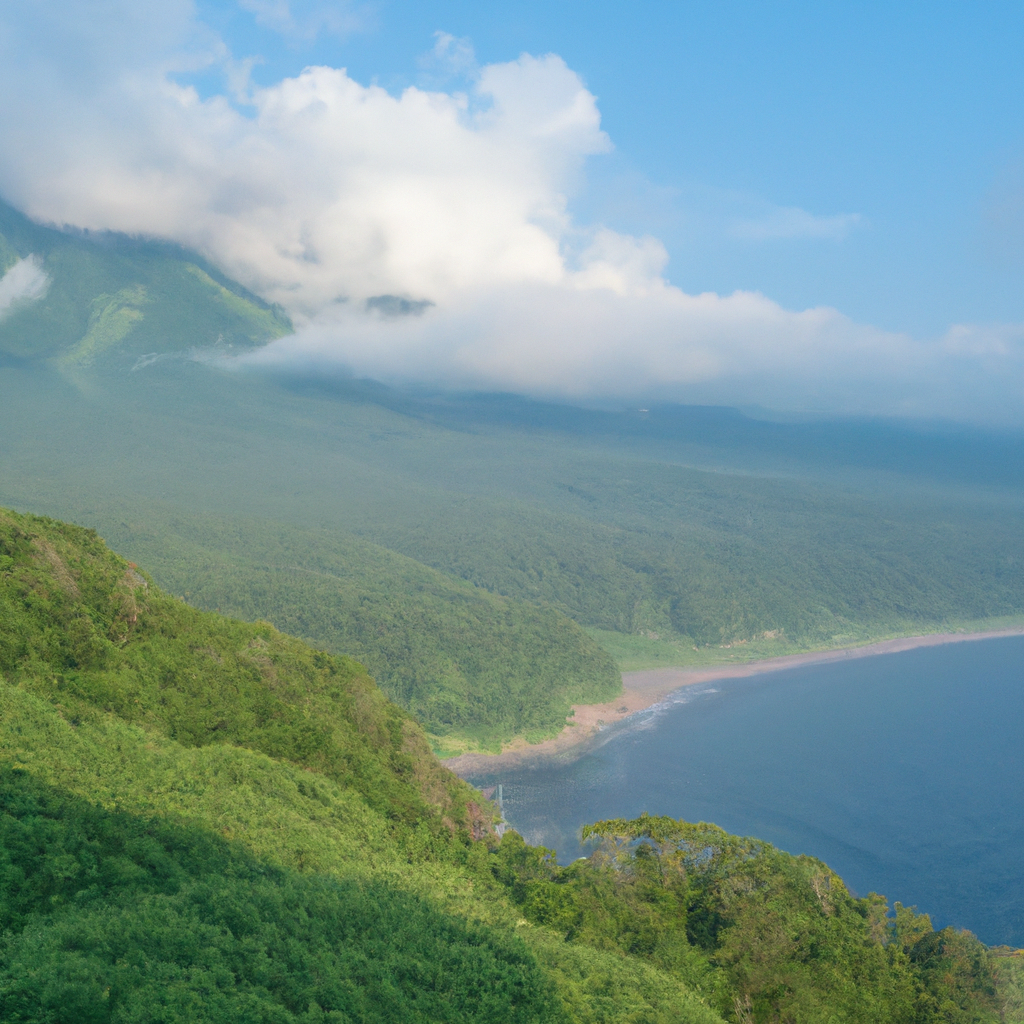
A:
(644, 688)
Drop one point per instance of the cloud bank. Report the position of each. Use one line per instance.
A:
(660, 344)
(324, 195)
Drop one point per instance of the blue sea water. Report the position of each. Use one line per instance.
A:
(904, 772)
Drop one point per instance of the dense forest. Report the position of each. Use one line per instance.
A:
(203, 813)
(490, 559)
(314, 512)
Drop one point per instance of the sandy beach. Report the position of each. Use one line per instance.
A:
(645, 688)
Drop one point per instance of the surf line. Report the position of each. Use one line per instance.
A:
(644, 688)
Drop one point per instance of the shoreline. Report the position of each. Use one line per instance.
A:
(644, 688)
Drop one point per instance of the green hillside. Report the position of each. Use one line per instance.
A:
(488, 558)
(88, 631)
(473, 667)
(618, 534)
(205, 820)
(117, 301)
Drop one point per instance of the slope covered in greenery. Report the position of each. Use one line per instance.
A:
(116, 300)
(113, 916)
(88, 630)
(614, 532)
(675, 536)
(469, 664)
(403, 845)
(203, 819)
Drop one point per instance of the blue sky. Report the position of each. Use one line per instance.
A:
(909, 116)
(808, 207)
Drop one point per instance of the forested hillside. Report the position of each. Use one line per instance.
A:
(621, 536)
(114, 301)
(200, 816)
(476, 669)
(86, 630)
(469, 664)
(492, 560)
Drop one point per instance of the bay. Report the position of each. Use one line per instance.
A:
(904, 772)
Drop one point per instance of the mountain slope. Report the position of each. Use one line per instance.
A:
(86, 630)
(470, 665)
(477, 669)
(200, 816)
(116, 698)
(618, 534)
(114, 300)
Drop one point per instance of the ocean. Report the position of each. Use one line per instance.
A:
(904, 772)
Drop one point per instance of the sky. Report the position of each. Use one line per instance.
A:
(805, 207)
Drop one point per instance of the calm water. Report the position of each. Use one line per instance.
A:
(904, 772)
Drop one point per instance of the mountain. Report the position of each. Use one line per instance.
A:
(113, 300)
(654, 546)
(477, 669)
(206, 819)
(492, 559)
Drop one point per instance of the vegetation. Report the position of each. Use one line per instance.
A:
(763, 935)
(488, 558)
(85, 629)
(203, 819)
(467, 663)
(109, 916)
(118, 300)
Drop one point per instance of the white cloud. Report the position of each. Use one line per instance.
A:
(784, 222)
(454, 56)
(331, 189)
(303, 19)
(657, 343)
(26, 281)
(326, 193)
